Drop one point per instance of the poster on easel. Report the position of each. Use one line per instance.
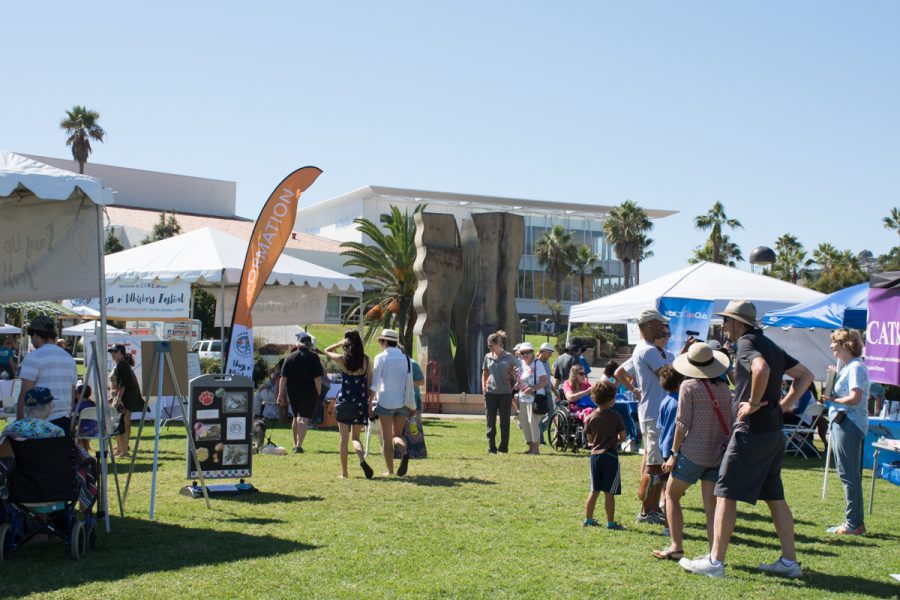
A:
(220, 421)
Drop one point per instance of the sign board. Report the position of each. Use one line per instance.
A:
(686, 314)
(187, 330)
(883, 335)
(634, 332)
(177, 356)
(148, 301)
(220, 419)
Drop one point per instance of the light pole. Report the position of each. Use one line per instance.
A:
(547, 323)
(523, 323)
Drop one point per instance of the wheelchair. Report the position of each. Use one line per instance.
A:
(51, 489)
(565, 431)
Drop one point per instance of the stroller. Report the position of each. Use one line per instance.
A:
(50, 489)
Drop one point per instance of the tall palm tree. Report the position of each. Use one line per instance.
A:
(826, 256)
(729, 253)
(892, 221)
(81, 126)
(386, 268)
(555, 251)
(644, 253)
(790, 256)
(626, 229)
(714, 220)
(585, 264)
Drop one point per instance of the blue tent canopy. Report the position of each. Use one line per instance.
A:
(844, 308)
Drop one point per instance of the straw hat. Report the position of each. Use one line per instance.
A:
(741, 310)
(701, 361)
(389, 335)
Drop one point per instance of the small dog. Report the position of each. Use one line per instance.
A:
(259, 434)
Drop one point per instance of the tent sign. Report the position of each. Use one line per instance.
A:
(148, 301)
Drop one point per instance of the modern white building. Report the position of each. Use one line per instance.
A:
(334, 218)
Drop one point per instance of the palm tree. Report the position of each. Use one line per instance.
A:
(626, 228)
(714, 220)
(643, 254)
(555, 251)
(729, 253)
(164, 229)
(386, 268)
(585, 264)
(826, 256)
(892, 221)
(81, 126)
(790, 255)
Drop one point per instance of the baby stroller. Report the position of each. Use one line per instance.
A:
(51, 490)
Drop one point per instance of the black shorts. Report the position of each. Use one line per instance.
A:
(304, 406)
(605, 473)
(751, 467)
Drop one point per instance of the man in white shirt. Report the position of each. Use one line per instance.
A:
(51, 367)
(391, 372)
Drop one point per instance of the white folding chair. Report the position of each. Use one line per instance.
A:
(799, 438)
(9, 401)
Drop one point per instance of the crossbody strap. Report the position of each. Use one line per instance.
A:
(718, 410)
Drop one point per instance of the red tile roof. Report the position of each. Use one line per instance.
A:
(145, 219)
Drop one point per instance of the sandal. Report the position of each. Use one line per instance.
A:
(668, 554)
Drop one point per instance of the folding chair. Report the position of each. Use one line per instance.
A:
(799, 437)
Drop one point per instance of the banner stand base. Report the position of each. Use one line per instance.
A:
(220, 489)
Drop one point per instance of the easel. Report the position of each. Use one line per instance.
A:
(162, 360)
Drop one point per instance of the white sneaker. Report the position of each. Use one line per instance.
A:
(703, 566)
(779, 568)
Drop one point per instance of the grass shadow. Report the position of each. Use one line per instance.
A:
(750, 516)
(847, 584)
(137, 548)
(442, 423)
(440, 480)
(265, 498)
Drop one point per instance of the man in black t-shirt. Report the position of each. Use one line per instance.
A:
(301, 380)
(751, 467)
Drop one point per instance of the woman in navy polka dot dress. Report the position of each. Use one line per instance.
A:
(352, 405)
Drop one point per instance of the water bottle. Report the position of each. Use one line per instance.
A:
(413, 428)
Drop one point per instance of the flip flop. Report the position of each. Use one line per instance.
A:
(668, 554)
(367, 469)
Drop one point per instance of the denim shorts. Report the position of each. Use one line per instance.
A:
(689, 472)
(391, 412)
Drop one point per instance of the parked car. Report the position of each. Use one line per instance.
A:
(208, 349)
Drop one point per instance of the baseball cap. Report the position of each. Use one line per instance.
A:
(650, 314)
(38, 396)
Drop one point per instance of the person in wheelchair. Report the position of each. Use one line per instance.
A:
(35, 425)
(577, 392)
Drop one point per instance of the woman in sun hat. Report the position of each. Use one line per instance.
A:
(391, 373)
(531, 381)
(702, 428)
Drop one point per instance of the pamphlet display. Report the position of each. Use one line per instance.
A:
(220, 420)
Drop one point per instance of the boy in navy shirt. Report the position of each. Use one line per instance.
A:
(605, 429)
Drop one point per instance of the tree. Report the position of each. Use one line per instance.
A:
(729, 253)
(386, 268)
(81, 126)
(644, 253)
(585, 264)
(890, 261)
(790, 256)
(839, 269)
(205, 311)
(892, 221)
(164, 229)
(719, 250)
(626, 229)
(112, 244)
(555, 251)
(826, 256)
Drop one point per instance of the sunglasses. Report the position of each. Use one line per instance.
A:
(526, 352)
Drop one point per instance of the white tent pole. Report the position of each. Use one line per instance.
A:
(222, 326)
(100, 362)
(568, 332)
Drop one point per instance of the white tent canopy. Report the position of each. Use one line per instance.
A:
(210, 257)
(20, 174)
(9, 329)
(90, 326)
(702, 281)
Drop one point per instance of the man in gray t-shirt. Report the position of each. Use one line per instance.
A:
(498, 375)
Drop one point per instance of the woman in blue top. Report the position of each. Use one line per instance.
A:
(849, 424)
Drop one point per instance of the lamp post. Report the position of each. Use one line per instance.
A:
(547, 323)
(523, 323)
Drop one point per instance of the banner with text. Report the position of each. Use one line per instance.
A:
(270, 234)
(280, 305)
(883, 335)
(686, 314)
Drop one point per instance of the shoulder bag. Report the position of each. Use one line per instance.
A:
(718, 414)
(541, 405)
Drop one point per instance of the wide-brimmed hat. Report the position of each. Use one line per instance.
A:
(701, 361)
(547, 346)
(741, 310)
(526, 347)
(43, 324)
(38, 396)
(389, 335)
(650, 314)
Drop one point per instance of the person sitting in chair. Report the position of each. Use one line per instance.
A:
(36, 424)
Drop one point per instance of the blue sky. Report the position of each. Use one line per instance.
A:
(784, 111)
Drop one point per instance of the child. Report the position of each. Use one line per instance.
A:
(670, 380)
(605, 430)
(87, 428)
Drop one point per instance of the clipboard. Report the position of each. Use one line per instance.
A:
(828, 386)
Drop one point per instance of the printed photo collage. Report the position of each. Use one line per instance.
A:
(221, 428)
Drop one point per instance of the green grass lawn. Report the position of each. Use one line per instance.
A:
(462, 524)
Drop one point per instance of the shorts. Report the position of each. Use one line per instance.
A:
(690, 472)
(304, 406)
(650, 432)
(605, 473)
(391, 412)
(751, 467)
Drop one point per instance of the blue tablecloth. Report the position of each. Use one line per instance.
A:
(628, 410)
(879, 428)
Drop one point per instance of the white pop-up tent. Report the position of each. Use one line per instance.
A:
(9, 329)
(90, 327)
(51, 230)
(702, 281)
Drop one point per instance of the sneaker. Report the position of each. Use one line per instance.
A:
(298, 450)
(703, 566)
(591, 523)
(847, 530)
(657, 518)
(615, 526)
(644, 518)
(778, 567)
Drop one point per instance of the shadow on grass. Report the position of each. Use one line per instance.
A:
(438, 480)
(136, 547)
(830, 582)
(442, 423)
(265, 498)
(743, 515)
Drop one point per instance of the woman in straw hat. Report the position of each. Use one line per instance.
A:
(391, 373)
(702, 428)
(532, 381)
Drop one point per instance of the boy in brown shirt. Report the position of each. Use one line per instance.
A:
(605, 430)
